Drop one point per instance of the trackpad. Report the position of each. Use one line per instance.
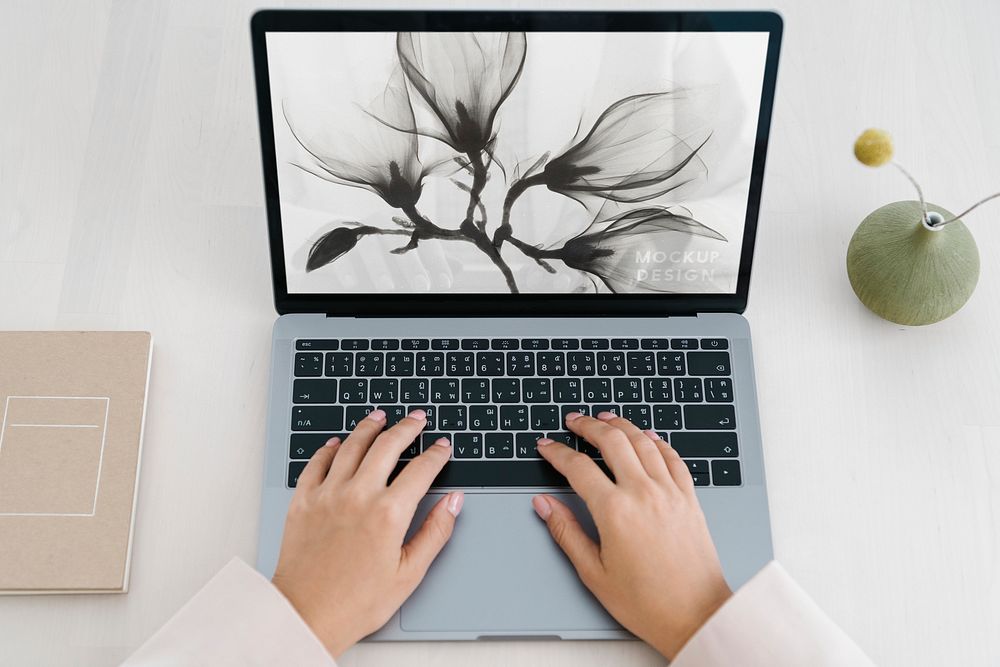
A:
(502, 573)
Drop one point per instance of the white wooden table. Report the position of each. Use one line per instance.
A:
(131, 198)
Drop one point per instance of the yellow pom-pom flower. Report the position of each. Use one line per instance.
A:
(873, 148)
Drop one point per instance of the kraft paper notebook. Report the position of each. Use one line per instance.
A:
(73, 406)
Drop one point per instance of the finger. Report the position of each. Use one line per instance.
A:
(433, 534)
(319, 465)
(678, 470)
(384, 453)
(412, 483)
(353, 449)
(580, 471)
(648, 453)
(569, 535)
(616, 450)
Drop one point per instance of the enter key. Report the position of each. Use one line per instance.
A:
(709, 417)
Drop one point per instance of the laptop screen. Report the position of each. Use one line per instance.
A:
(511, 162)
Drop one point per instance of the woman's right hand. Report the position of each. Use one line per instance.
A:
(656, 569)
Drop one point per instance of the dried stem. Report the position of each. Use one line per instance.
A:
(968, 210)
(920, 193)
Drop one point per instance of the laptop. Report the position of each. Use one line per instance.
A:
(500, 217)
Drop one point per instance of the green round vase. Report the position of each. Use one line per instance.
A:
(908, 272)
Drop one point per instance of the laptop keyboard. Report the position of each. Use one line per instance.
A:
(494, 397)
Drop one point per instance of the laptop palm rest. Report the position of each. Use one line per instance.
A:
(502, 575)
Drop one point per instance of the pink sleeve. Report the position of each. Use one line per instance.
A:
(770, 621)
(238, 618)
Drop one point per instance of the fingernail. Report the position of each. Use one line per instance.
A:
(542, 507)
(570, 416)
(417, 414)
(455, 501)
(376, 415)
(653, 435)
(442, 442)
(605, 416)
(332, 441)
(544, 441)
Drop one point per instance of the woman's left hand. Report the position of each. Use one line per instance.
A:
(343, 563)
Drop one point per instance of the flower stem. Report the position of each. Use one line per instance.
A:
(920, 193)
(504, 231)
(968, 210)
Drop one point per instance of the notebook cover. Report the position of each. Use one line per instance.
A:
(73, 406)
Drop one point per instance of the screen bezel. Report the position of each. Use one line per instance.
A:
(486, 304)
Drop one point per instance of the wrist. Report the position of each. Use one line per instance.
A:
(675, 638)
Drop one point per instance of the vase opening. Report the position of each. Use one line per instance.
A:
(933, 221)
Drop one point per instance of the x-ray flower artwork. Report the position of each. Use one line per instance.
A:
(635, 164)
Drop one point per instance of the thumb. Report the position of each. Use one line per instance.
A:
(435, 532)
(582, 551)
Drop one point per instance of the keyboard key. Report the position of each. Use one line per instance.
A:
(566, 409)
(353, 391)
(657, 390)
(489, 363)
(302, 446)
(627, 390)
(666, 417)
(483, 417)
(430, 364)
(369, 364)
(714, 344)
(505, 344)
(308, 364)
(499, 445)
(536, 390)
(414, 390)
(726, 473)
(314, 391)
(427, 438)
(611, 363)
(415, 344)
(475, 344)
(431, 411)
(566, 390)
(586, 448)
(475, 390)
(655, 343)
(526, 445)
(670, 363)
(718, 390)
(354, 344)
(605, 407)
(684, 343)
(594, 344)
(640, 415)
(624, 344)
(506, 390)
(383, 390)
(687, 390)
(461, 364)
(412, 451)
(534, 344)
(339, 364)
(399, 364)
(551, 363)
(704, 444)
(318, 418)
(596, 390)
(513, 417)
(700, 479)
(641, 363)
(295, 469)
(444, 390)
(709, 417)
(393, 414)
(385, 344)
(565, 344)
(545, 417)
(565, 437)
(445, 344)
(354, 414)
(520, 363)
(708, 363)
(468, 446)
(452, 418)
(581, 363)
(317, 344)
(697, 466)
